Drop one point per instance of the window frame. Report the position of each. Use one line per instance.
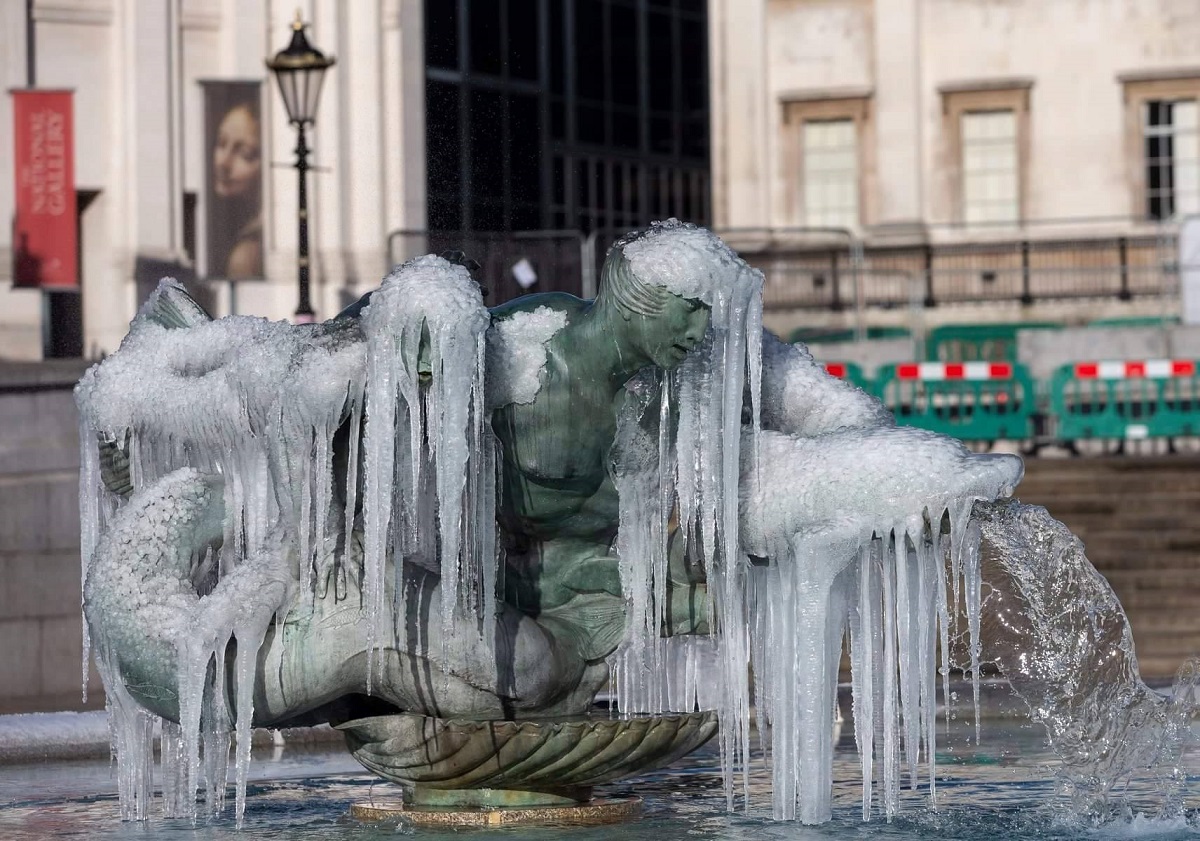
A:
(958, 99)
(801, 108)
(1137, 91)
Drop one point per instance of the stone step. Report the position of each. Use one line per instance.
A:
(1173, 650)
(1111, 465)
(1108, 562)
(1159, 670)
(1163, 622)
(1182, 600)
(1118, 504)
(1139, 520)
(1157, 579)
(1106, 542)
(1178, 521)
(1054, 486)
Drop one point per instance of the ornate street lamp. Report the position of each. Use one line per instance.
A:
(300, 69)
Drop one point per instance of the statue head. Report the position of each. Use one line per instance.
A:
(660, 324)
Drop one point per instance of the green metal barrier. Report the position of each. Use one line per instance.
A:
(973, 401)
(1156, 398)
(819, 335)
(1136, 321)
(849, 372)
(979, 342)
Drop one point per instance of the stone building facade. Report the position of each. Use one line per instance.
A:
(135, 68)
(926, 124)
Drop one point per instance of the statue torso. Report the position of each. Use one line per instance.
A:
(554, 480)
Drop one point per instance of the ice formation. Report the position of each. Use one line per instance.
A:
(810, 516)
(685, 458)
(516, 355)
(230, 424)
(428, 319)
(801, 539)
(800, 398)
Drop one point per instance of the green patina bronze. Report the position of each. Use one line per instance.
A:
(562, 612)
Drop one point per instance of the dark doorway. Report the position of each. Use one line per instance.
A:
(62, 309)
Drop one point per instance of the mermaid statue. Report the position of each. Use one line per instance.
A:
(423, 510)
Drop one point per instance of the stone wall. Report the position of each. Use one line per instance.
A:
(904, 58)
(40, 630)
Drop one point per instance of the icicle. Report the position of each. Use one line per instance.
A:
(972, 589)
(173, 772)
(89, 532)
(352, 458)
(865, 644)
(379, 445)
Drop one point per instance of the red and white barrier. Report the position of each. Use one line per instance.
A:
(1131, 369)
(836, 369)
(939, 371)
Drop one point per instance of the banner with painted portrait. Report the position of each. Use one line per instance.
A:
(233, 180)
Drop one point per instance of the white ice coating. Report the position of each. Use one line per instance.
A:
(688, 260)
(856, 526)
(839, 530)
(800, 398)
(257, 401)
(143, 571)
(239, 416)
(835, 523)
(428, 316)
(516, 355)
(691, 464)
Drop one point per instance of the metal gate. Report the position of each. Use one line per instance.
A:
(512, 263)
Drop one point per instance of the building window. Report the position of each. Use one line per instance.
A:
(984, 150)
(828, 162)
(830, 149)
(1172, 158)
(990, 168)
(1162, 142)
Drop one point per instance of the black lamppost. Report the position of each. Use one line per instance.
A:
(300, 69)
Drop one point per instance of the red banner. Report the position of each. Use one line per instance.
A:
(45, 237)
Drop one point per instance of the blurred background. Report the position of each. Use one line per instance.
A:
(979, 210)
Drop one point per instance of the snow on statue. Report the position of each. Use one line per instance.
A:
(426, 506)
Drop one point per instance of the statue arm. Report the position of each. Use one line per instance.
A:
(800, 398)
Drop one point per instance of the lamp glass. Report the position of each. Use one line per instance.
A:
(300, 88)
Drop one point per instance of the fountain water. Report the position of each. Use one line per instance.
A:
(422, 511)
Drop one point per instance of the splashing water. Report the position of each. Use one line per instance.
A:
(1057, 631)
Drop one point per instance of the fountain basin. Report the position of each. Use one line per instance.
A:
(542, 762)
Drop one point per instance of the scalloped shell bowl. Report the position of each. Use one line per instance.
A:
(533, 755)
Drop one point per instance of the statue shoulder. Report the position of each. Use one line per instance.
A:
(557, 301)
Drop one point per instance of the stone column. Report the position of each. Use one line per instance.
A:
(898, 124)
(403, 62)
(740, 113)
(20, 309)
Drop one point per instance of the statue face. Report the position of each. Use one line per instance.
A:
(666, 338)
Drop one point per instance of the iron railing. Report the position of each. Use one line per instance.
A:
(833, 269)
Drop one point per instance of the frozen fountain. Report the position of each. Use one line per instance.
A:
(445, 529)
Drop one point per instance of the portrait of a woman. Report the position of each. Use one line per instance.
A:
(235, 242)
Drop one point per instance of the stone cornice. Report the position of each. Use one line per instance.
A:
(200, 14)
(94, 12)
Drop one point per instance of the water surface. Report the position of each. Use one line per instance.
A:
(1001, 789)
